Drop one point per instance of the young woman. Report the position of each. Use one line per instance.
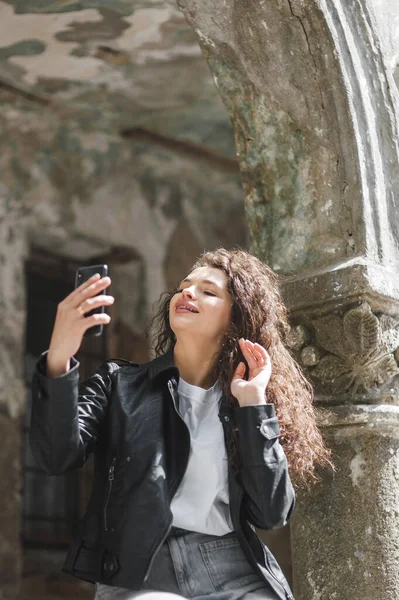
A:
(191, 448)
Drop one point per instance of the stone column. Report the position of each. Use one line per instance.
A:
(310, 89)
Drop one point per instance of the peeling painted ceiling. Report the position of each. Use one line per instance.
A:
(115, 65)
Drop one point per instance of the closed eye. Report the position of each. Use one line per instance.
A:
(207, 292)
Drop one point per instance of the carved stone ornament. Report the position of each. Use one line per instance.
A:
(297, 336)
(361, 350)
(310, 356)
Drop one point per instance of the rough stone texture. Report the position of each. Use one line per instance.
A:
(279, 542)
(345, 529)
(10, 507)
(351, 520)
(12, 299)
(314, 111)
(12, 391)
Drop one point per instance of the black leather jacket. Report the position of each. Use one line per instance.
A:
(126, 414)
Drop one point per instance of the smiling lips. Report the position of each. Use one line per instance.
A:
(185, 307)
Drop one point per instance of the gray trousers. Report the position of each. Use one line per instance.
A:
(198, 566)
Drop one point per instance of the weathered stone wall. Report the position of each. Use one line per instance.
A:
(312, 103)
(12, 391)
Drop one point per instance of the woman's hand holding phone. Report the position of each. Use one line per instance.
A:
(71, 324)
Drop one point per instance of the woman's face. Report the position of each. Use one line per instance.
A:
(202, 305)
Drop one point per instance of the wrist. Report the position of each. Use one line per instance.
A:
(253, 400)
(56, 366)
(260, 403)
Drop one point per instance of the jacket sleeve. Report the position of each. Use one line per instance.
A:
(67, 416)
(269, 496)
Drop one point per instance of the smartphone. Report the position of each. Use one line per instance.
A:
(82, 275)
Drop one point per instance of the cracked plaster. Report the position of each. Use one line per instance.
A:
(116, 65)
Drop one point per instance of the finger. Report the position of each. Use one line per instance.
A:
(262, 359)
(95, 302)
(259, 351)
(250, 345)
(84, 285)
(244, 348)
(240, 371)
(97, 319)
(89, 291)
(250, 356)
(263, 351)
(247, 348)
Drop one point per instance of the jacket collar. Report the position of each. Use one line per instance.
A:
(162, 363)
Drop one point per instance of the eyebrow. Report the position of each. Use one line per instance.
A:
(208, 281)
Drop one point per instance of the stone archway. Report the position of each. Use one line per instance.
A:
(309, 88)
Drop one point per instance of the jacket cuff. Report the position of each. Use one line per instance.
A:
(258, 431)
(48, 384)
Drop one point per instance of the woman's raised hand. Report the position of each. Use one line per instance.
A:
(251, 392)
(71, 323)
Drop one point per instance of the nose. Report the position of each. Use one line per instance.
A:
(188, 293)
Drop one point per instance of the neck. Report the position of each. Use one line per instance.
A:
(195, 363)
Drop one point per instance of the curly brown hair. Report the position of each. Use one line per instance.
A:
(259, 314)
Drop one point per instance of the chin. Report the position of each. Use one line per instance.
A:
(176, 327)
(184, 328)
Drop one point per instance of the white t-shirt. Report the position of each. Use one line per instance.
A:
(201, 503)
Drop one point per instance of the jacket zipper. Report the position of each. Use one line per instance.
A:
(226, 420)
(111, 477)
(157, 549)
